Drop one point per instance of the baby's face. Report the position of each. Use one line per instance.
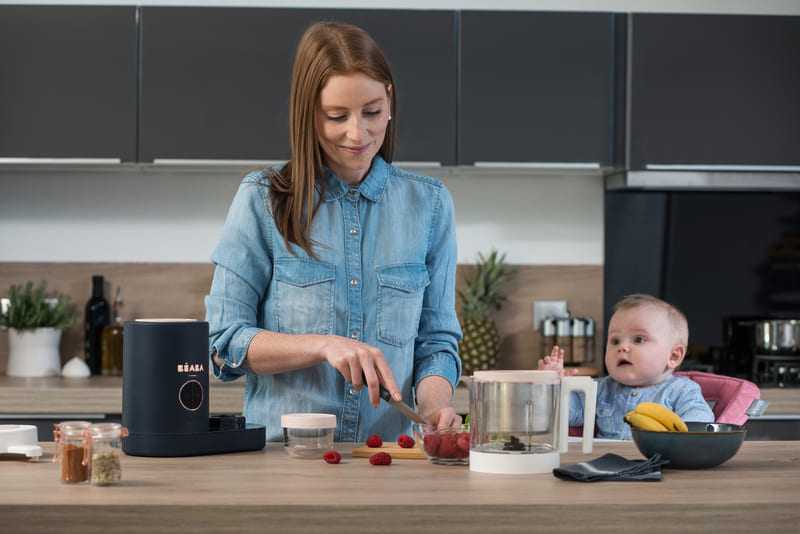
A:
(640, 342)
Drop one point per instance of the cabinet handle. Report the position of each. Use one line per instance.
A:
(61, 161)
(705, 167)
(536, 165)
(212, 162)
(417, 164)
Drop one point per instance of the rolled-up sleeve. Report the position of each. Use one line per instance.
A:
(243, 268)
(436, 346)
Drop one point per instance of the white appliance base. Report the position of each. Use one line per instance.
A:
(513, 464)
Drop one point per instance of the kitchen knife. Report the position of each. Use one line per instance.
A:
(402, 407)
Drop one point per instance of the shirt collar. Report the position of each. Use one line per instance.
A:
(371, 187)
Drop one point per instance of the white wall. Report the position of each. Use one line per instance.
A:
(150, 215)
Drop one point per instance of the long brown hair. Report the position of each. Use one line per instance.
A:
(326, 49)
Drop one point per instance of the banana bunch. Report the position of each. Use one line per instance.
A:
(652, 416)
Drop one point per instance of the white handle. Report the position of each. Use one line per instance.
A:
(589, 388)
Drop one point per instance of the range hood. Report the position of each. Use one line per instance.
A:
(707, 177)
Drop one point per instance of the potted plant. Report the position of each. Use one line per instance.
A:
(35, 324)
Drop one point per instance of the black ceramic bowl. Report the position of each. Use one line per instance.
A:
(705, 445)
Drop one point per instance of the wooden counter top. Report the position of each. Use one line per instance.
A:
(103, 395)
(266, 491)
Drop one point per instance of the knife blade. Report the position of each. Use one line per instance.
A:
(402, 407)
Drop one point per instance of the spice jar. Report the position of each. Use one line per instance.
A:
(578, 333)
(105, 444)
(548, 335)
(564, 339)
(71, 451)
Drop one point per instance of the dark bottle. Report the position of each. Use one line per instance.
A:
(97, 317)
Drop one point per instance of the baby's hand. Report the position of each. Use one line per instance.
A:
(555, 362)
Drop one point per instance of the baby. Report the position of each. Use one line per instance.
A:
(646, 342)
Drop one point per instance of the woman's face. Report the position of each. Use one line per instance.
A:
(351, 118)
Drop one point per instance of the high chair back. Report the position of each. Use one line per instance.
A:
(729, 397)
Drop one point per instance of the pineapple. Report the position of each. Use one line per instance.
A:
(481, 342)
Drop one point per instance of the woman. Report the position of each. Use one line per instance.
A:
(337, 270)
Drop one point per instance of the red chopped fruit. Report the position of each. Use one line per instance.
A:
(463, 442)
(332, 457)
(431, 443)
(374, 441)
(381, 458)
(448, 448)
(406, 441)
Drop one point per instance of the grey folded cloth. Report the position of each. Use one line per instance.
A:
(613, 467)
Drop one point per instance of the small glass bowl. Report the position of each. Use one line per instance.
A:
(443, 446)
(308, 435)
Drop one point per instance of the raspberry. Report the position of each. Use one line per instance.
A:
(380, 458)
(332, 457)
(431, 443)
(374, 441)
(448, 448)
(463, 442)
(406, 441)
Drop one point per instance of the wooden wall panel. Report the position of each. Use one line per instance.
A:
(178, 290)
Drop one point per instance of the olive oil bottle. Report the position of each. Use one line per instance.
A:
(111, 341)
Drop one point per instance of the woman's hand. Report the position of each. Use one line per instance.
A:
(555, 362)
(433, 401)
(360, 364)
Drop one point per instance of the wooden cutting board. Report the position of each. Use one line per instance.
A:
(394, 450)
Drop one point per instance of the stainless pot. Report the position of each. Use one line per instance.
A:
(777, 336)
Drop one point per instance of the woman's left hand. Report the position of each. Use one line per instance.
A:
(433, 399)
(444, 418)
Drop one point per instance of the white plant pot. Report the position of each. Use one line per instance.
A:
(34, 352)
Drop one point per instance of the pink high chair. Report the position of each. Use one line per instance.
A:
(728, 397)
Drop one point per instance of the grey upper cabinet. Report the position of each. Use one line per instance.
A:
(714, 90)
(68, 82)
(215, 81)
(536, 87)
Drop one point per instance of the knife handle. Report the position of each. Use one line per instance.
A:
(385, 395)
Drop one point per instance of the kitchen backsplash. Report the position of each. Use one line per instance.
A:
(178, 290)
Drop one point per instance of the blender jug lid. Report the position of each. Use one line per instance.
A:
(530, 377)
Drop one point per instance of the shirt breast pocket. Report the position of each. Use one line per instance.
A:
(400, 292)
(304, 296)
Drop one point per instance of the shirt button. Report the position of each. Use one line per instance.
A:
(633, 394)
(353, 231)
(354, 335)
(352, 391)
(354, 192)
(354, 282)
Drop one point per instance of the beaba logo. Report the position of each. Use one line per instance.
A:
(193, 368)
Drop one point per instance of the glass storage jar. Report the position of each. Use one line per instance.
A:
(308, 435)
(71, 451)
(105, 445)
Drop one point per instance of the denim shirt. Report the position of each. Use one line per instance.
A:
(680, 394)
(385, 275)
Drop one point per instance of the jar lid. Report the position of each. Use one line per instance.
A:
(70, 428)
(107, 430)
(308, 420)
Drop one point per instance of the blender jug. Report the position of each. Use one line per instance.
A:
(519, 419)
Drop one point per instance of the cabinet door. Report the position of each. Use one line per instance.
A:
(715, 90)
(536, 87)
(68, 82)
(215, 81)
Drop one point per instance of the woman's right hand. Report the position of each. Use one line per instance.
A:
(360, 364)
